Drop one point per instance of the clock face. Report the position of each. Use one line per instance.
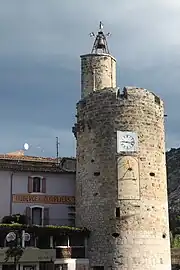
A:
(127, 142)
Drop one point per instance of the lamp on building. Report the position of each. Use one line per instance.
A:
(10, 237)
(17, 241)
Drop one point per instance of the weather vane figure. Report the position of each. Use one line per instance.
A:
(100, 44)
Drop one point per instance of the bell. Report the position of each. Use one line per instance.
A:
(100, 43)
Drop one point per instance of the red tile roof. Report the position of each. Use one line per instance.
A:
(18, 161)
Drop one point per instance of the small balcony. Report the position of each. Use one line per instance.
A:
(70, 221)
(66, 241)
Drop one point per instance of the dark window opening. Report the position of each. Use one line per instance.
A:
(61, 241)
(76, 241)
(96, 173)
(8, 267)
(78, 252)
(164, 235)
(115, 235)
(43, 242)
(152, 174)
(36, 184)
(117, 212)
(98, 268)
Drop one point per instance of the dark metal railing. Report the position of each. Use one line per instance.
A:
(54, 222)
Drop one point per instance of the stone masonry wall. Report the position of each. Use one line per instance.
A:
(97, 72)
(139, 237)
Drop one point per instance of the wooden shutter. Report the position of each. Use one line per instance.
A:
(46, 216)
(43, 185)
(28, 214)
(30, 184)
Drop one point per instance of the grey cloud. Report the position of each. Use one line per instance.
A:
(41, 41)
(39, 94)
(46, 27)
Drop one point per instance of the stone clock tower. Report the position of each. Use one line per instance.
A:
(121, 189)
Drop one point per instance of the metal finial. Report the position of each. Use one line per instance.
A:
(100, 26)
(100, 43)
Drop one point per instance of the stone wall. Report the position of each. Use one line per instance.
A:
(126, 233)
(97, 72)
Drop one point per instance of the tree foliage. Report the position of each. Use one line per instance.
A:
(17, 218)
(15, 253)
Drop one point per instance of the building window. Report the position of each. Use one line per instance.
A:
(36, 184)
(37, 214)
(29, 267)
(61, 266)
(8, 267)
(118, 212)
(60, 241)
(76, 241)
(43, 241)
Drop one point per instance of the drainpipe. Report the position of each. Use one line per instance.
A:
(86, 247)
(11, 191)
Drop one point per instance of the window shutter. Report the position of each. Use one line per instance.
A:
(30, 184)
(46, 216)
(43, 185)
(28, 214)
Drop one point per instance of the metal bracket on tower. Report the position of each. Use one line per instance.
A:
(100, 43)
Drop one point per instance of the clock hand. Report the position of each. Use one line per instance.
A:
(128, 142)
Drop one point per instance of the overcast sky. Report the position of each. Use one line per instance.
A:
(40, 44)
